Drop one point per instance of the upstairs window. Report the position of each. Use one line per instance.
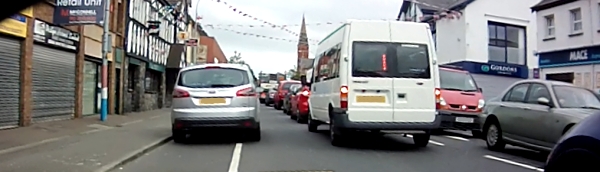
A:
(506, 43)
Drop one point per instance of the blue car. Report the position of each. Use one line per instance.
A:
(579, 149)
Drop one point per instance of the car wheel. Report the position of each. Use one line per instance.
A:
(493, 137)
(337, 139)
(254, 135)
(178, 137)
(313, 125)
(421, 140)
(277, 106)
(300, 119)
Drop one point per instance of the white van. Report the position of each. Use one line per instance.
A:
(376, 76)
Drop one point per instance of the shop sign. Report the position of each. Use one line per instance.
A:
(15, 25)
(79, 12)
(570, 57)
(55, 35)
(493, 68)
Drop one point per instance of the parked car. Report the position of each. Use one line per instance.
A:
(270, 96)
(577, 150)
(535, 114)
(462, 100)
(291, 93)
(282, 89)
(215, 96)
(300, 110)
(263, 93)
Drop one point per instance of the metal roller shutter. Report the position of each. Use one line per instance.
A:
(493, 85)
(53, 77)
(10, 61)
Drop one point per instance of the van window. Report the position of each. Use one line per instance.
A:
(213, 78)
(457, 81)
(398, 60)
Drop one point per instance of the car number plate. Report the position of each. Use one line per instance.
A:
(370, 99)
(464, 120)
(208, 101)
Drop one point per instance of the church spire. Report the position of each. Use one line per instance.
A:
(303, 40)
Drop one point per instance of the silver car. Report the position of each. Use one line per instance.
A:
(535, 113)
(215, 96)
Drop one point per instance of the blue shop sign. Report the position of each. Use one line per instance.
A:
(492, 68)
(571, 57)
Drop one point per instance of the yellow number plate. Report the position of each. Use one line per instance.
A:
(210, 101)
(370, 99)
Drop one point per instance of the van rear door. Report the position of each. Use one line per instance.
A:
(414, 82)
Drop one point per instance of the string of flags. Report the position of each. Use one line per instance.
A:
(313, 42)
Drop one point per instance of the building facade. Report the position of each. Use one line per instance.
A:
(44, 69)
(214, 54)
(569, 41)
(505, 55)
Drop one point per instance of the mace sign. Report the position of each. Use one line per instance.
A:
(69, 12)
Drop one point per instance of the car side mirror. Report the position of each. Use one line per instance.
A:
(544, 101)
(480, 90)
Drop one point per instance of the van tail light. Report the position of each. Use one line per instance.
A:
(246, 92)
(179, 93)
(438, 98)
(344, 97)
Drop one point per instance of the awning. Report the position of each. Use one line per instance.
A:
(174, 58)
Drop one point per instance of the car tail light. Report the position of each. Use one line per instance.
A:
(179, 93)
(246, 92)
(306, 93)
(438, 98)
(344, 97)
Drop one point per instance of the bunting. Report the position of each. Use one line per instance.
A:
(312, 42)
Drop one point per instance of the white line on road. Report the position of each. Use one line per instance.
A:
(430, 141)
(131, 122)
(513, 163)
(235, 158)
(457, 138)
(154, 117)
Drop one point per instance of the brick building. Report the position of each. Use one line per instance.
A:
(302, 46)
(47, 69)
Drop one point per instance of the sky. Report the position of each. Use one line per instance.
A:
(272, 56)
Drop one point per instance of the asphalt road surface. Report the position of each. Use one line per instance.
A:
(287, 146)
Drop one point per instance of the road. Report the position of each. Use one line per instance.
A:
(287, 146)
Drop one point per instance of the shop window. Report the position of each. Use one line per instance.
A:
(131, 77)
(152, 81)
(506, 43)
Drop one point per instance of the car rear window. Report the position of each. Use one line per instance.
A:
(382, 59)
(286, 86)
(457, 81)
(213, 78)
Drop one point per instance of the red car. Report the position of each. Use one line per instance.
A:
(283, 88)
(299, 103)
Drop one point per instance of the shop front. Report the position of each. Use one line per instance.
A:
(580, 66)
(494, 78)
(53, 72)
(92, 70)
(12, 32)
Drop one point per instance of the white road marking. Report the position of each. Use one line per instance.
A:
(430, 141)
(131, 122)
(235, 158)
(457, 138)
(513, 163)
(27, 146)
(154, 117)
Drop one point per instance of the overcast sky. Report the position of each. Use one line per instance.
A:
(275, 55)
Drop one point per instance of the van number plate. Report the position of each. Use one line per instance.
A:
(464, 120)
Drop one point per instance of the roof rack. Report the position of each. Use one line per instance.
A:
(451, 66)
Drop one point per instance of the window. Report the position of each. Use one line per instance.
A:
(506, 43)
(120, 17)
(575, 97)
(459, 81)
(383, 59)
(152, 81)
(576, 22)
(213, 78)
(516, 94)
(131, 75)
(538, 91)
(550, 28)
(328, 64)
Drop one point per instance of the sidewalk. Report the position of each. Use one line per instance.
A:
(81, 145)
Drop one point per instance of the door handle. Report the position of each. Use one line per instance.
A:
(502, 105)
(527, 108)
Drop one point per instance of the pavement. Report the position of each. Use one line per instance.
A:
(287, 146)
(82, 145)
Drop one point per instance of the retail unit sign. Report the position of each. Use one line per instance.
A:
(55, 35)
(570, 57)
(493, 68)
(79, 12)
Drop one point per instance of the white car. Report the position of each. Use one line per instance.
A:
(376, 76)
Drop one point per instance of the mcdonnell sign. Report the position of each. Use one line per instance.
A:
(69, 12)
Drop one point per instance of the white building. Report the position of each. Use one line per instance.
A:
(568, 41)
(494, 40)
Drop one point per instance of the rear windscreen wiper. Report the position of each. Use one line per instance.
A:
(367, 73)
(451, 89)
